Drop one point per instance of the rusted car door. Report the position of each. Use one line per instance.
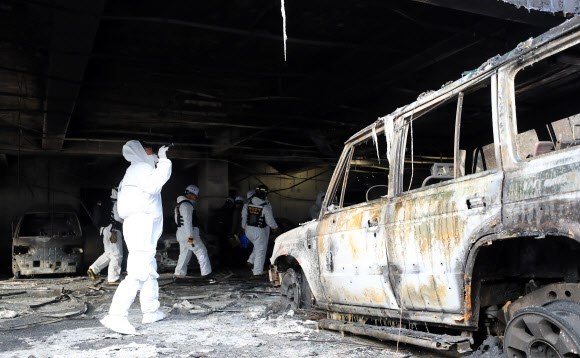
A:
(430, 236)
(353, 259)
(352, 254)
(431, 229)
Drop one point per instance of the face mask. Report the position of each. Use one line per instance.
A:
(152, 159)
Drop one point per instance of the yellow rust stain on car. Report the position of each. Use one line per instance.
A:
(353, 245)
(468, 306)
(428, 295)
(374, 295)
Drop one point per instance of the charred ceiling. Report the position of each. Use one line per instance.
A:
(211, 76)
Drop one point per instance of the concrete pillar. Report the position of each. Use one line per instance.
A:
(213, 186)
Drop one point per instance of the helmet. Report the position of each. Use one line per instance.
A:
(192, 189)
(262, 191)
(239, 200)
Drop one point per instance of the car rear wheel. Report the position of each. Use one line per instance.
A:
(542, 332)
(294, 290)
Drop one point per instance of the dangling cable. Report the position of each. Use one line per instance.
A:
(284, 26)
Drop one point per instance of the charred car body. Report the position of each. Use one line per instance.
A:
(47, 243)
(458, 214)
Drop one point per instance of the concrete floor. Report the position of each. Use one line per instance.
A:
(231, 318)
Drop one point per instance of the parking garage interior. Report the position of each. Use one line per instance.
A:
(241, 105)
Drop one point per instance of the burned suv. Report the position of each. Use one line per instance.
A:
(457, 216)
(47, 243)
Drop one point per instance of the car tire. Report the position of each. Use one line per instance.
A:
(295, 291)
(553, 330)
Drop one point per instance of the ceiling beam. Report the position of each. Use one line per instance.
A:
(72, 38)
(243, 32)
(499, 10)
(423, 59)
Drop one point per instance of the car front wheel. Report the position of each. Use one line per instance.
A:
(294, 290)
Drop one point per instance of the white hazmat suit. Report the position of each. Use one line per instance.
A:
(317, 206)
(113, 255)
(258, 235)
(139, 204)
(189, 239)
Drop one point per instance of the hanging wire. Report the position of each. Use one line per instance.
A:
(284, 26)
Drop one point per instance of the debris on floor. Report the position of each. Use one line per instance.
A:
(232, 317)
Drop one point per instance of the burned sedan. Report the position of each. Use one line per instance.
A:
(457, 217)
(47, 243)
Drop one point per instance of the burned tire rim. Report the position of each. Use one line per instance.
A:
(536, 332)
(290, 290)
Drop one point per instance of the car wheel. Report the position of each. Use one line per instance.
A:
(550, 331)
(294, 290)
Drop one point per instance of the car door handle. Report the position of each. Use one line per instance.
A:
(373, 225)
(475, 203)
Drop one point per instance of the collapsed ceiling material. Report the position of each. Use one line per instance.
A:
(565, 6)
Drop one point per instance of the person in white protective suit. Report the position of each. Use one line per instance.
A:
(188, 234)
(257, 220)
(113, 243)
(317, 206)
(139, 203)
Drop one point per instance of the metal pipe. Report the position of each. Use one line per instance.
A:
(386, 333)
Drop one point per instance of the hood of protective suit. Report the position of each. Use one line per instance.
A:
(319, 198)
(133, 152)
(258, 201)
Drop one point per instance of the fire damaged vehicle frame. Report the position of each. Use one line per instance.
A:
(47, 243)
(477, 229)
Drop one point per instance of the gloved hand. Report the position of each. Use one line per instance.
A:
(162, 152)
(113, 237)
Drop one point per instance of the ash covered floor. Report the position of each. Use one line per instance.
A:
(234, 317)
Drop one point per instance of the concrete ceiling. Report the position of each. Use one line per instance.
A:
(81, 78)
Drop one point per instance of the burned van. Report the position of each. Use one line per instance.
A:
(47, 243)
(457, 216)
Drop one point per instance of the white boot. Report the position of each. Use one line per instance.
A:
(118, 324)
(153, 317)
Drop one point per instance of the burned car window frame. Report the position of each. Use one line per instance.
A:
(340, 176)
(22, 222)
(508, 74)
(402, 130)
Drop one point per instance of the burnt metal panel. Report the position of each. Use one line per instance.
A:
(430, 234)
(354, 240)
